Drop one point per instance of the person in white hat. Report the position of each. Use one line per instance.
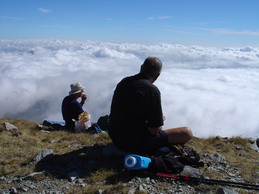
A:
(71, 108)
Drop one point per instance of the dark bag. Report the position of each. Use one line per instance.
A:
(186, 155)
(175, 160)
(104, 122)
(167, 163)
(54, 125)
(94, 129)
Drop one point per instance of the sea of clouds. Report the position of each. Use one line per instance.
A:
(214, 91)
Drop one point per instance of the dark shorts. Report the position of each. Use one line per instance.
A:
(136, 145)
(153, 143)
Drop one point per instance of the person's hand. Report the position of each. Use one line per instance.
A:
(83, 96)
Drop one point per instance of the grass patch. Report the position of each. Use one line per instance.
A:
(100, 176)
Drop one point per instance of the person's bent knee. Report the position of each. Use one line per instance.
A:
(188, 132)
(179, 135)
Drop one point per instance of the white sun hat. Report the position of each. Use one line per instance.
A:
(76, 88)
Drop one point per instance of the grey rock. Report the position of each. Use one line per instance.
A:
(79, 181)
(10, 127)
(215, 161)
(225, 191)
(43, 154)
(141, 188)
(32, 186)
(13, 190)
(219, 158)
(43, 127)
(72, 176)
(82, 185)
(238, 148)
(138, 179)
(251, 140)
(33, 174)
(2, 178)
(44, 131)
(24, 189)
(254, 145)
(190, 171)
(17, 179)
(131, 191)
(99, 191)
(147, 180)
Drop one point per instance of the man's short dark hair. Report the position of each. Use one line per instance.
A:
(152, 66)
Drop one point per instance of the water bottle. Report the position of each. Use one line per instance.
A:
(136, 162)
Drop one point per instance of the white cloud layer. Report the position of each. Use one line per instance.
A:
(213, 91)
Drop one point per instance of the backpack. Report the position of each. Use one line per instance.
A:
(175, 160)
(104, 122)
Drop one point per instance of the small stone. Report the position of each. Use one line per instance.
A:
(138, 179)
(32, 186)
(190, 171)
(72, 176)
(13, 190)
(238, 148)
(251, 140)
(225, 191)
(132, 191)
(231, 174)
(79, 181)
(43, 154)
(2, 178)
(53, 141)
(254, 145)
(141, 188)
(34, 174)
(24, 189)
(99, 191)
(44, 131)
(10, 127)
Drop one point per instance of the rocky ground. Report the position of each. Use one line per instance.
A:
(69, 173)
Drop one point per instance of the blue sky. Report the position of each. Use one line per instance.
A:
(199, 22)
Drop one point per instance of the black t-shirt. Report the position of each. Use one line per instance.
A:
(136, 105)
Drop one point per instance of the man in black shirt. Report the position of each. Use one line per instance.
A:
(136, 117)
